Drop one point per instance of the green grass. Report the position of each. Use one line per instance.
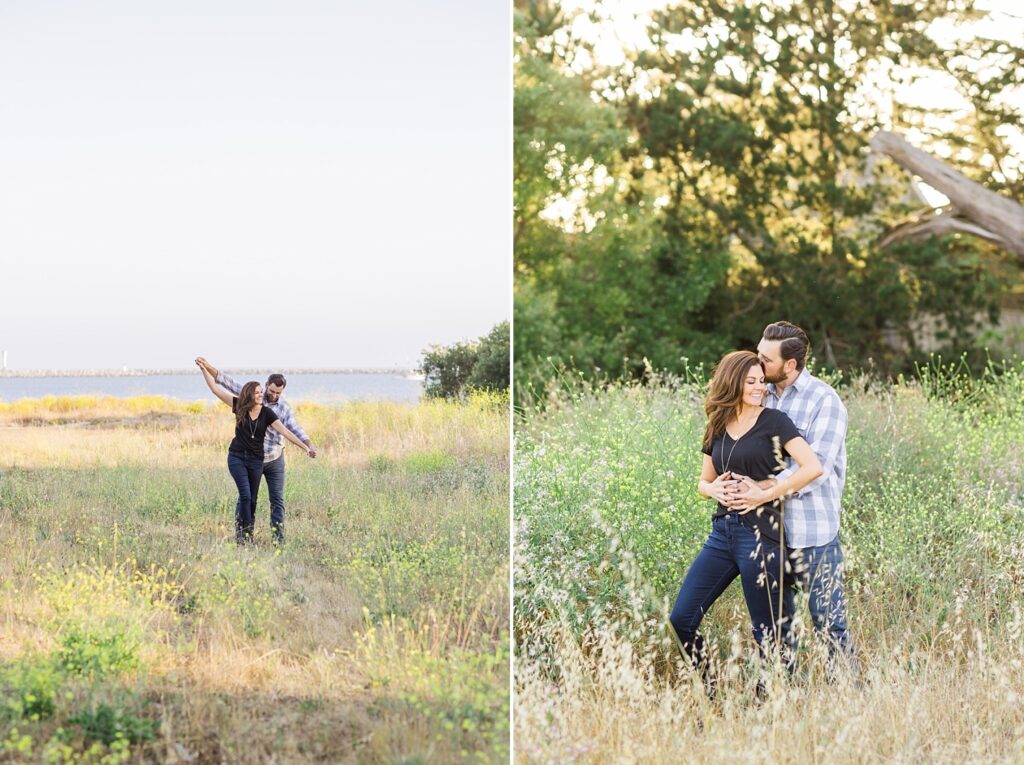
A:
(134, 629)
(608, 519)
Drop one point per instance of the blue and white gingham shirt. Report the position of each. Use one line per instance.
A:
(273, 444)
(812, 514)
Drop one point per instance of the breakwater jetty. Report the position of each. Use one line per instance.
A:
(124, 372)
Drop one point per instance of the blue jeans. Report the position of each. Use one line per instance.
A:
(731, 550)
(818, 571)
(246, 470)
(274, 473)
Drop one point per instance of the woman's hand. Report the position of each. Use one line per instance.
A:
(206, 366)
(280, 428)
(748, 495)
(210, 383)
(721, 489)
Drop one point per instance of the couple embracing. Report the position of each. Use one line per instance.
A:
(774, 432)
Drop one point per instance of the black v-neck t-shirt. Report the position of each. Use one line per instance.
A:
(753, 455)
(249, 434)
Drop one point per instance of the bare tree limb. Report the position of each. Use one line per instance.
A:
(940, 224)
(988, 214)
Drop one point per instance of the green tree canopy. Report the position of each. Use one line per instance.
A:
(450, 371)
(721, 179)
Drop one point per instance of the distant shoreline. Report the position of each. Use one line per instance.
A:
(155, 372)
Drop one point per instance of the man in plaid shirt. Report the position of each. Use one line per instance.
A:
(811, 514)
(273, 444)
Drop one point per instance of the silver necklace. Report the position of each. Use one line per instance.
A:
(735, 441)
(725, 465)
(253, 424)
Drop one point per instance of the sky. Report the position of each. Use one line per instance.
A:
(301, 184)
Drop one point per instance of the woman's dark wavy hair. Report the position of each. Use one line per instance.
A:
(725, 395)
(246, 401)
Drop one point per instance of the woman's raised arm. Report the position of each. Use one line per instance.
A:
(217, 390)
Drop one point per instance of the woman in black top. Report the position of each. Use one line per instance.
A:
(245, 454)
(740, 443)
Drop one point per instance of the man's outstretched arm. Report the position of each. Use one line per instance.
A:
(219, 377)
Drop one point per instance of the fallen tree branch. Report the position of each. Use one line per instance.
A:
(979, 211)
(939, 224)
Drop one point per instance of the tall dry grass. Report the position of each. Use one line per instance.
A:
(607, 519)
(133, 630)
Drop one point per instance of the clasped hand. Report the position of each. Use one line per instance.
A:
(738, 492)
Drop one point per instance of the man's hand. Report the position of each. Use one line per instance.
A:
(722, 488)
(311, 450)
(204, 364)
(747, 494)
(741, 486)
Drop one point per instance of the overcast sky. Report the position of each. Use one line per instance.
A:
(266, 184)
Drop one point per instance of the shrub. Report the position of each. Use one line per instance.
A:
(111, 725)
(30, 689)
(97, 653)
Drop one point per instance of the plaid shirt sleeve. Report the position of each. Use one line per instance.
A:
(287, 417)
(826, 435)
(227, 382)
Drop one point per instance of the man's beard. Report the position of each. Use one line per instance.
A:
(774, 378)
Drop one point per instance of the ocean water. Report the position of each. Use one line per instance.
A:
(327, 388)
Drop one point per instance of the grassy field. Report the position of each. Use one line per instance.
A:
(132, 629)
(607, 520)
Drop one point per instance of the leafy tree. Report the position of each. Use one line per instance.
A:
(450, 371)
(491, 371)
(764, 125)
(446, 369)
(720, 179)
(601, 286)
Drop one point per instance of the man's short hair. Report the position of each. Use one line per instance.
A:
(794, 341)
(277, 379)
